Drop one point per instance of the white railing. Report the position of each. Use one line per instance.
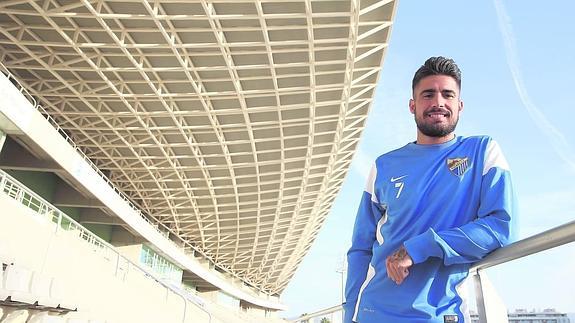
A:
(166, 232)
(546, 240)
(331, 313)
(19, 192)
(166, 270)
(18, 85)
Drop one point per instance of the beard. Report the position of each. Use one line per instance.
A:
(436, 130)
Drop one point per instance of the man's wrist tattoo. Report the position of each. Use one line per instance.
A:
(401, 253)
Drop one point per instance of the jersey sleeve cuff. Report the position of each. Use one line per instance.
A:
(423, 246)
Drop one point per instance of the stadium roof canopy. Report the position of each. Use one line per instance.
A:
(231, 123)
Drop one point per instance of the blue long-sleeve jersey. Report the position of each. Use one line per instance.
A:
(450, 205)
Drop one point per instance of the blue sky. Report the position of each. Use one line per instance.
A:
(518, 64)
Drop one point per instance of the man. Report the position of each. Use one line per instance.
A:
(429, 210)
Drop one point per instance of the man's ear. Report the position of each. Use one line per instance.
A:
(412, 106)
(460, 105)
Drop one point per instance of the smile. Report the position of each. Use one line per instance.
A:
(436, 113)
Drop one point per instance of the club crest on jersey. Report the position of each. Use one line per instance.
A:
(458, 166)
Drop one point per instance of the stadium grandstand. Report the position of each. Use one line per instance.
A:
(173, 160)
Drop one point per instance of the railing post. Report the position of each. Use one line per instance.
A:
(117, 263)
(20, 195)
(479, 300)
(3, 183)
(59, 226)
(490, 307)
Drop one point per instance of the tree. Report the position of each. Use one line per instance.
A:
(325, 320)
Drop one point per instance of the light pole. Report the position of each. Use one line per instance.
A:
(342, 269)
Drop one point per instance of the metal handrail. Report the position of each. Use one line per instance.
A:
(545, 240)
(19, 192)
(318, 314)
(21, 88)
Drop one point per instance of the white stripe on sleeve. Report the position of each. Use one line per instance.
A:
(494, 158)
(380, 223)
(370, 184)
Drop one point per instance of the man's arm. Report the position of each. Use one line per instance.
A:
(492, 228)
(359, 255)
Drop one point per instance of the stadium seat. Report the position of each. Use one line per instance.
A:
(17, 282)
(67, 298)
(56, 292)
(41, 288)
(3, 292)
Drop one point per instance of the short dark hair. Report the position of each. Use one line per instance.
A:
(437, 66)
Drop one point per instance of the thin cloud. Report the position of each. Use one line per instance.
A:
(557, 139)
(361, 164)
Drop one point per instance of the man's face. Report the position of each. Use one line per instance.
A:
(436, 105)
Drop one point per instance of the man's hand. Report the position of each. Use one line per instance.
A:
(398, 264)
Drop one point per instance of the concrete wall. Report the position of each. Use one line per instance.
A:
(89, 279)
